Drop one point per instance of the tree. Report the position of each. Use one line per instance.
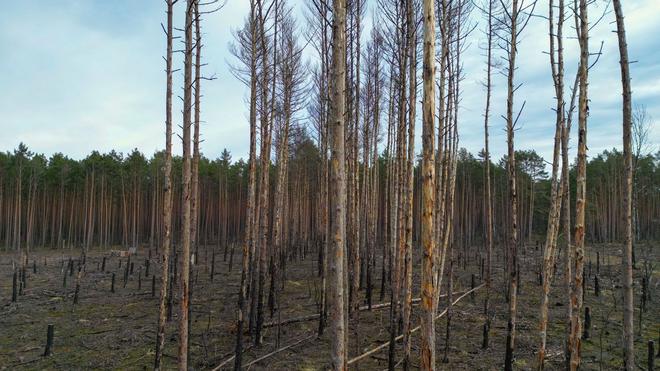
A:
(580, 202)
(533, 166)
(557, 69)
(292, 75)
(513, 22)
(319, 111)
(411, 55)
(627, 261)
(337, 246)
(167, 202)
(641, 126)
(371, 194)
(268, 80)
(246, 51)
(488, 201)
(427, 350)
(186, 188)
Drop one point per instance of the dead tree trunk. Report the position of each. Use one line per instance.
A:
(186, 189)
(512, 21)
(581, 181)
(411, 54)
(337, 248)
(557, 68)
(248, 242)
(427, 351)
(627, 262)
(487, 188)
(167, 203)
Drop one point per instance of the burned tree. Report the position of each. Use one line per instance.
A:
(574, 340)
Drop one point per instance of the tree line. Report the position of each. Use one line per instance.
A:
(128, 194)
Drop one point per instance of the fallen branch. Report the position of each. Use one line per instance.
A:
(224, 363)
(100, 331)
(292, 320)
(28, 362)
(385, 345)
(280, 350)
(314, 316)
(232, 357)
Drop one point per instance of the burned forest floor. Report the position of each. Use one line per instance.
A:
(107, 330)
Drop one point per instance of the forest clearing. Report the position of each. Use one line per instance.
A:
(410, 186)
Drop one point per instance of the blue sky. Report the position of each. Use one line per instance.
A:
(80, 75)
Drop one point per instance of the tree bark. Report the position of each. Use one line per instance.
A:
(337, 248)
(186, 189)
(512, 265)
(427, 350)
(580, 207)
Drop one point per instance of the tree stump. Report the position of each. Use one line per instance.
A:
(49, 340)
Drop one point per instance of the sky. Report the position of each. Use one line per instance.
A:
(83, 75)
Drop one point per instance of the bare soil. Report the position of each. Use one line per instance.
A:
(117, 330)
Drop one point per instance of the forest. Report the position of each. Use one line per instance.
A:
(339, 242)
(127, 193)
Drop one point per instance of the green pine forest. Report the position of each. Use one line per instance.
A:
(43, 201)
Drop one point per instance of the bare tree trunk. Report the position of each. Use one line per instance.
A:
(167, 203)
(194, 198)
(194, 201)
(248, 242)
(566, 218)
(513, 196)
(264, 182)
(186, 189)
(354, 200)
(323, 139)
(411, 53)
(337, 246)
(427, 351)
(557, 67)
(627, 262)
(487, 191)
(580, 207)
(290, 65)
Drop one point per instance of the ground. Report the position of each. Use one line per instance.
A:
(117, 330)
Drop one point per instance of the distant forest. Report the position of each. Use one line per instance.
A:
(49, 201)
